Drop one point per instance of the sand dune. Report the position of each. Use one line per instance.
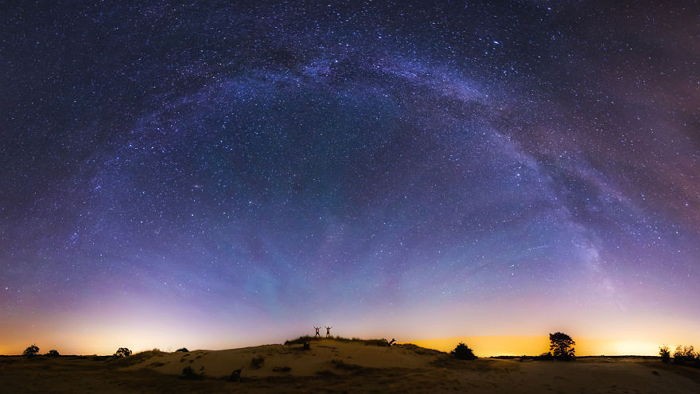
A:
(354, 366)
(341, 366)
(324, 355)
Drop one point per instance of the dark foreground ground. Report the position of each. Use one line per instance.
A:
(71, 374)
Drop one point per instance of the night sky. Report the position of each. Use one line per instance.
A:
(221, 175)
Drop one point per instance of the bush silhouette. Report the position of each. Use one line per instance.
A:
(684, 355)
(463, 352)
(257, 362)
(31, 351)
(235, 375)
(53, 353)
(189, 374)
(547, 356)
(665, 354)
(122, 352)
(370, 342)
(183, 350)
(562, 346)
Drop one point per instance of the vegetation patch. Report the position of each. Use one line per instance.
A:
(369, 342)
(235, 375)
(31, 351)
(420, 350)
(326, 373)
(342, 365)
(463, 352)
(257, 362)
(188, 373)
(122, 352)
(125, 361)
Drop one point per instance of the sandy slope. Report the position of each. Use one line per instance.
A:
(367, 368)
(301, 363)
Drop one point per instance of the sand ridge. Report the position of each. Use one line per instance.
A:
(356, 367)
(324, 355)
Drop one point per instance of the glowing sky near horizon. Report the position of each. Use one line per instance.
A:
(225, 174)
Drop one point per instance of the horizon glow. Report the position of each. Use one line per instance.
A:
(235, 174)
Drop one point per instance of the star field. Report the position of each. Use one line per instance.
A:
(224, 174)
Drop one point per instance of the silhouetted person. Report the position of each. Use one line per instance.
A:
(328, 331)
(318, 334)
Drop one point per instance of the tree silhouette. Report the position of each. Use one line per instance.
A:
(562, 346)
(31, 351)
(182, 350)
(53, 353)
(463, 352)
(665, 353)
(122, 352)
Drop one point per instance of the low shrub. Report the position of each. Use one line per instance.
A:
(340, 364)
(463, 352)
(665, 354)
(547, 356)
(257, 362)
(235, 375)
(189, 374)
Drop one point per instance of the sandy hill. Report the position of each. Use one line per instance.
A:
(361, 366)
(326, 356)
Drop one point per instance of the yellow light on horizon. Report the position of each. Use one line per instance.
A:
(635, 348)
(486, 346)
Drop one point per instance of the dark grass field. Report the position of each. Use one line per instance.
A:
(89, 374)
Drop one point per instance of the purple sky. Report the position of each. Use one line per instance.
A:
(231, 174)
